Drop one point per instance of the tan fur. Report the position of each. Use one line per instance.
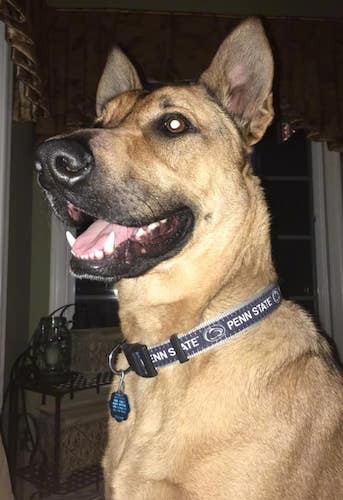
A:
(259, 417)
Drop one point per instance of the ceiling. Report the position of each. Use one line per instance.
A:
(288, 8)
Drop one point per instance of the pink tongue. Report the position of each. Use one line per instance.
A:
(95, 236)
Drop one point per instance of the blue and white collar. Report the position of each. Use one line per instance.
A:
(145, 360)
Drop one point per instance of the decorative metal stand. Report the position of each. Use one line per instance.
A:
(47, 478)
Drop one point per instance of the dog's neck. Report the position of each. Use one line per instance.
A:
(149, 322)
(178, 295)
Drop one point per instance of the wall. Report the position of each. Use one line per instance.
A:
(29, 247)
(241, 7)
(19, 238)
(40, 257)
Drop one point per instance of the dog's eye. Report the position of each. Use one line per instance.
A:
(175, 124)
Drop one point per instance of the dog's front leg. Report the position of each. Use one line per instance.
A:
(156, 490)
(148, 490)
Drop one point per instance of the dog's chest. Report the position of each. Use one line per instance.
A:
(143, 445)
(170, 416)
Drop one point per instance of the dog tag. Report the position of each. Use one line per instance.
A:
(119, 403)
(119, 406)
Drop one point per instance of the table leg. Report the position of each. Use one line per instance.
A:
(57, 437)
(13, 414)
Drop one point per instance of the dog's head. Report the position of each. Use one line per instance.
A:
(159, 171)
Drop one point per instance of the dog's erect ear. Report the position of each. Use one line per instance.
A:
(241, 76)
(119, 76)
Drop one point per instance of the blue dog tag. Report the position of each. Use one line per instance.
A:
(119, 406)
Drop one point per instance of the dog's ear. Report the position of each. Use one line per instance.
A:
(119, 76)
(241, 76)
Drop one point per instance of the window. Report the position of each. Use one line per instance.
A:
(285, 171)
(96, 304)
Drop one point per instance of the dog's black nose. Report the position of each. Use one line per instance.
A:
(67, 160)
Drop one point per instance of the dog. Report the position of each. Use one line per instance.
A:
(224, 390)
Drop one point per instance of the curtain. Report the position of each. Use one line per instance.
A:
(29, 100)
(67, 51)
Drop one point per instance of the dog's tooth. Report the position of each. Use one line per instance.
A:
(99, 254)
(109, 244)
(91, 255)
(163, 221)
(140, 232)
(70, 238)
(153, 226)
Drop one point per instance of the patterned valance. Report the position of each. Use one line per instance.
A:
(29, 101)
(71, 49)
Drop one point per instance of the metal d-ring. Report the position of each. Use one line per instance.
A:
(121, 373)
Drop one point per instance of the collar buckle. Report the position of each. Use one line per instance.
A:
(139, 359)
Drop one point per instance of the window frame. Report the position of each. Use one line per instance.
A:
(328, 231)
(62, 283)
(5, 142)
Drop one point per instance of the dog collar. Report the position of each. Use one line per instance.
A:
(145, 360)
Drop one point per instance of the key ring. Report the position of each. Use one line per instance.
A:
(120, 373)
(121, 387)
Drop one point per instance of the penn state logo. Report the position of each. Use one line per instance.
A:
(214, 333)
(276, 296)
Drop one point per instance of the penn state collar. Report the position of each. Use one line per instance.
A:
(144, 360)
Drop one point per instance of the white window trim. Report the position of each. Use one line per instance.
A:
(5, 138)
(328, 219)
(62, 283)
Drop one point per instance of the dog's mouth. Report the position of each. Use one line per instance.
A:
(109, 251)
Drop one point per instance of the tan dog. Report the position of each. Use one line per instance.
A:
(183, 226)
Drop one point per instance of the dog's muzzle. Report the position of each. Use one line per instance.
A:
(120, 236)
(67, 160)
